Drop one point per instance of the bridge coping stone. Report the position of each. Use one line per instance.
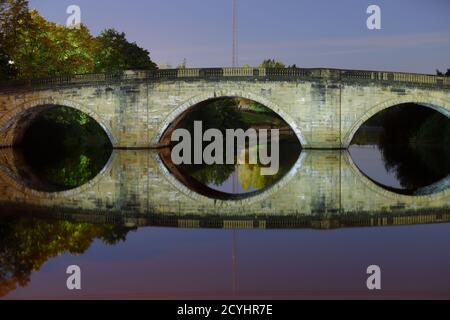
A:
(286, 74)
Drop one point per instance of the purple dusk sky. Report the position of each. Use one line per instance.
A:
(415, 35)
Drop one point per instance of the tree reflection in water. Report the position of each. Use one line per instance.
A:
(27, 243)
(245, 178)
(414, 142)
(63, 170)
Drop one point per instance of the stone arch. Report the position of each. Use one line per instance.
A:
(11, 128)
(223, 94)
(441, 106)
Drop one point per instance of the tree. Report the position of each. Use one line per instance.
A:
(32, 47)
(440, 73)
(114, 53)
(39, 48)
(13, 16)
(272, 63)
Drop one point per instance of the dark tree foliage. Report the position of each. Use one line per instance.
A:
(440, 73)
(32, 47)
(272, 63)
(7, 69)
(65, 149)
(414, 143)
(65, 128)
(13, 17)
(114, 53)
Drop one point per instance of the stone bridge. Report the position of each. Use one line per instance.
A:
(325, 107)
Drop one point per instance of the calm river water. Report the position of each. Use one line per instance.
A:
(156, 261)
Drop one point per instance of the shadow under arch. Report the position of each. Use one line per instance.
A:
(173, 118)
(14, 123)
(439, 105)
(436, 191)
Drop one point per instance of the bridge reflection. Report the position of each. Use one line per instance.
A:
(320, 221)
(324, 184)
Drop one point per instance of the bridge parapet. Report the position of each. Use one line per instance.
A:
(263, 74)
